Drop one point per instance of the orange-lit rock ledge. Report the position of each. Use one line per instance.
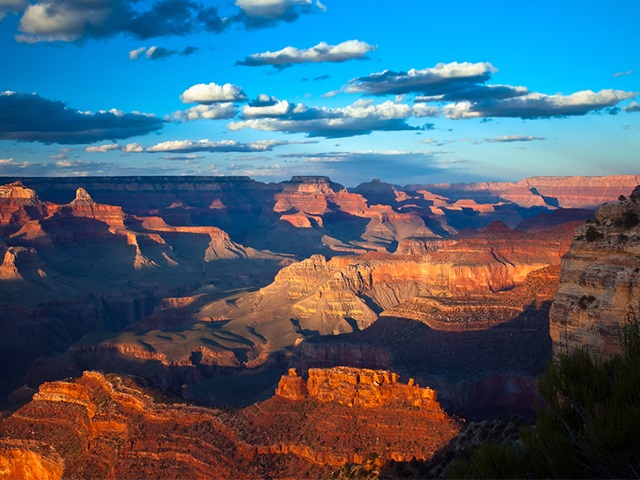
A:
(106, 426)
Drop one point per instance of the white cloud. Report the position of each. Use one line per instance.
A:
(103, 148)
(213, 112)
(132, 148)
(322, 52)
(632, 108)
(513, 138)
(134, 54)
(429, 81)
(277, 109)
(213, 93)
(623, 74)
(61, 21)
(537, 105)
(209, 146)
(360, 118)
(269, 8)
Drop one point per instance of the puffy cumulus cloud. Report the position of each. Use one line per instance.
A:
(359, 118)
(265, 13)
(632, 108)
(265, 106)
(160, 53)
(214, 111)
(538, 105)
(32, 118)
(13, 6)
(513, 138)
(188, 146)
(132, 148)
(438, 80)
(103, 148)
(213, 93)
(72, 20)
(322, 52)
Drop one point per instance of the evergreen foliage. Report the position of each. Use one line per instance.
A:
(588, 428)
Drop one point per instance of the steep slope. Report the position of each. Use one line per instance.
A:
(481, 352)
(600, 283)
(107, 426)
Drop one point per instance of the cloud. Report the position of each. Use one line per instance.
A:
(32, 118)
(132, 148)
(213, 93)
(13, 6)
(513, 138)
(73, 20)
(475, 93)
(538, 105)
(186, 158)
(266, 13)
(623, 74)
(66, 168)
(134, 54)
(214, 111)
(359, 118)
(322, 52)
(103, 148)
(188, 146)
(632, 108)
(438, 80)
(160, 53)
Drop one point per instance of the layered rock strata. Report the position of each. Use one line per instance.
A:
(599, 291)
(107, 426)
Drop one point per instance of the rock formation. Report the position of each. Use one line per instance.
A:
(108, 426)
(346, 294)
(481, 352)
(599, 288)
(356, 387)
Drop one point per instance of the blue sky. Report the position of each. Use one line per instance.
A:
(406, 91)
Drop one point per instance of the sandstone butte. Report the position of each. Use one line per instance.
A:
(106, 426)
(599, 290)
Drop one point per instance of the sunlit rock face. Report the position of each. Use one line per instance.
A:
(107, 426)
(599, 288)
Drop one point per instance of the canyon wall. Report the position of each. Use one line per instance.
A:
(599, 291)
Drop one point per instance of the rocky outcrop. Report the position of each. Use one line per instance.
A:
(29, 459)
(599, 288)
(20, 264)
(356, 387)
(108, 426)
(480, 352)
(18, 205)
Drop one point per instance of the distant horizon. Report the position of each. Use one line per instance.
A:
(73, 179)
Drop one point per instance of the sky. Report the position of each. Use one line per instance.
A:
(406, 91)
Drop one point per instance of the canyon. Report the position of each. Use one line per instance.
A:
(221, 326)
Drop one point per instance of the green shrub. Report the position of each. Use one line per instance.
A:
(592, 235)
(588, 429)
